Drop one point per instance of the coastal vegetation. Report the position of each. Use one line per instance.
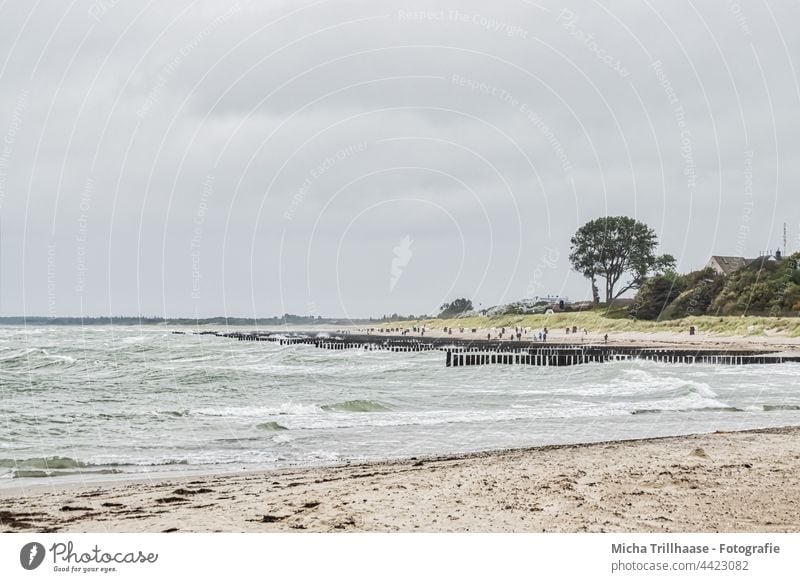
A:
(763, 288)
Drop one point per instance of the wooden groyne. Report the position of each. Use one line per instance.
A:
(474, 352)
(570, 356)
(364, 342)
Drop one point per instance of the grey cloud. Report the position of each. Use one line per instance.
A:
(178, 155)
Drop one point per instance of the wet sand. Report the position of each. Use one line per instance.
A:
(723, 482)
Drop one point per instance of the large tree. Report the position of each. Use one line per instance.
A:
(620, 250)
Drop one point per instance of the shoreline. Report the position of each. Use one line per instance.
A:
(722, 481)
(70, 483)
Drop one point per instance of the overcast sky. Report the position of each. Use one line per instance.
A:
(360, 158)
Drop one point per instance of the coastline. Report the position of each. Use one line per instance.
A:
(746, 481)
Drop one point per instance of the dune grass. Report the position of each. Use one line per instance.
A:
(601, 321)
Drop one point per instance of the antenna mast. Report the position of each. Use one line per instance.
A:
(784, 239)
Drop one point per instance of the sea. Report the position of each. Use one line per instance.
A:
(89, 404)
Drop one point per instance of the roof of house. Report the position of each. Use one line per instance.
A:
(760, 260)
(729, 264)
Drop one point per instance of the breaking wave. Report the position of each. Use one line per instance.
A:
(271, 426)
(357, 406)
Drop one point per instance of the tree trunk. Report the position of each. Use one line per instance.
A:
(595, 292)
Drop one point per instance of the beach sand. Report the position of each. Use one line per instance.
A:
(723, 482)
(657, 339)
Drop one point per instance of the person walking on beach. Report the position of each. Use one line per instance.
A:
(605, 338)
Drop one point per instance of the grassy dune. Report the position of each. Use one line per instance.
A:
(617, 320)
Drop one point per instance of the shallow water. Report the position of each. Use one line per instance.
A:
(89, 403)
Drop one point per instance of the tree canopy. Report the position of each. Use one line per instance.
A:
(620, 250)
(657, 294)
(454, 308)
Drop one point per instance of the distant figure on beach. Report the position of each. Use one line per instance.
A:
(605, 338)
(540, 336)
(567, 331)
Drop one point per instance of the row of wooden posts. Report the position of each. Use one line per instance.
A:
(402, 345)
(571, 358)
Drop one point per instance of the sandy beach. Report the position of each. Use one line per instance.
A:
(723, 482)
(664, 339)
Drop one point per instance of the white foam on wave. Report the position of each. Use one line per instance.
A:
(444, 417)
(60, 358)
(281, 438)
(700, 388)
(653, 384)
(695, 400)
(259, 411)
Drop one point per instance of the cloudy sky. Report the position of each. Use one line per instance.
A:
(360, 158)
